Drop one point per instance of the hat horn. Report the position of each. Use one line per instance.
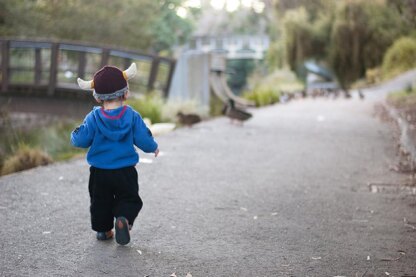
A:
(130, 72)
(87, 85)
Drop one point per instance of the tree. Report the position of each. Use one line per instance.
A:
(305, 38)
(361, 34)
(407, 9)
(169, 29)
(127, 23)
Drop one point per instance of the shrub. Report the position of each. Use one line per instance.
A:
(55, 140)
(25, 158)
(400, 57)
(149, 106)
(372, 75)
(262, 96)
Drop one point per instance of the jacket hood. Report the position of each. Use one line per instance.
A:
(114, 124)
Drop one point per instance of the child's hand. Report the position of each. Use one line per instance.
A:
(156, 152)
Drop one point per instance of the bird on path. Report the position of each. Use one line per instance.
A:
(234, 113)
(188, 119)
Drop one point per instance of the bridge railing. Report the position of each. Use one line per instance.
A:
(51, 68)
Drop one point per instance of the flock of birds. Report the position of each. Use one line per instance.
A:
(235, 114)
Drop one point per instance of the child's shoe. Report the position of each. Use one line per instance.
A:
(122, 231)
(105, 235)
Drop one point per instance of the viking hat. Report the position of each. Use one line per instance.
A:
(109, 82)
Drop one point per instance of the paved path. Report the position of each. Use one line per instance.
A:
(285, 195)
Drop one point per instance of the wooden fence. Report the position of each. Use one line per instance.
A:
(49, 68)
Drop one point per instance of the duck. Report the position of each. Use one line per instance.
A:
(188, 119)
(234, 113)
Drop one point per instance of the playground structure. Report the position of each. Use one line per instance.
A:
(201, 68)
(218, 83)
(200, 76)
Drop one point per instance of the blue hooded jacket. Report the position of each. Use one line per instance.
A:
(111, 136)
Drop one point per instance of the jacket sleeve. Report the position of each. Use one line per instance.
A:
(142, 136)
(83, 135)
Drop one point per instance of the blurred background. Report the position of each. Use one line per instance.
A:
(192, 56)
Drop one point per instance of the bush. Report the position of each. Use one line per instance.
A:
(400, 57)
(372, 75)
(149, 106)
(25, 158)
(55, 140)
(262, 96)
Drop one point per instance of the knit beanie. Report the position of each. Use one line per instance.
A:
(109, 82)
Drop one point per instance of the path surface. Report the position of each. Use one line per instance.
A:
(285, 195)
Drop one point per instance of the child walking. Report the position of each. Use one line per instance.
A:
(110, 132)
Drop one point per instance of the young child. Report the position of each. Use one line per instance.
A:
(110, 132)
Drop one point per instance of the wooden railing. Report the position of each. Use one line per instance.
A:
(50, 68)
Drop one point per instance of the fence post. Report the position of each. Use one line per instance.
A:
(5, 45)
(38, 66)
(105, 56)
(82, 62)
(53, 68)
(170, 77)
(153, 74)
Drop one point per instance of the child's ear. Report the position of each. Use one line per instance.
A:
(98, 100)
(126, 95)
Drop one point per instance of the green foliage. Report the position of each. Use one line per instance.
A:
(146, 24)
(25, 158)
(53, 141)
(297, 36)
(400, 57)
(314, 7)
(275, 56)
(368, 28)
(263, 96)
(155, 108)
(305, 38)
(407, 10)
(170, 29)
(403, 98)
(266, 90)
(351, 36)
(149, 106)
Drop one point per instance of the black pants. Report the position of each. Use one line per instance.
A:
(113, 193)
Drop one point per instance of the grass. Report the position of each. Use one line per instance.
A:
(154, 107)
(24, 149)
(25, 158)
(149, 106)
(263, 96)
(403, 98)
(267, 90)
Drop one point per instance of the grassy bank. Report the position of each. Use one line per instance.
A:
(404, 102)
(403, 99)
(21, 149)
